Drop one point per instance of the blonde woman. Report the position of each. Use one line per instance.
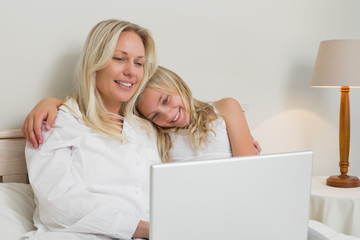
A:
(89, 177)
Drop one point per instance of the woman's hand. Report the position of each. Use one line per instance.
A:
(46, 109)
(142, 230)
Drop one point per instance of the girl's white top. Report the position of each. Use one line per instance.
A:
(214, 147)
(88, 183)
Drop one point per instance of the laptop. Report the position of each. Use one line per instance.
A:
(250, 198)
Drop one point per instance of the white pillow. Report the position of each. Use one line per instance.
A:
(16, 210)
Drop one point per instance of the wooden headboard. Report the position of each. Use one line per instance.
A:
(12, 157)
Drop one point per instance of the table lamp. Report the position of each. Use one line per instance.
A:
(338, 65)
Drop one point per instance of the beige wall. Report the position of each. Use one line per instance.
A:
(260, 52)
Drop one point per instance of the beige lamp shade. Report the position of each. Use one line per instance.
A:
(337, 64)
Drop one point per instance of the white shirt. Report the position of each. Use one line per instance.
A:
(86, 182)
(213, 147)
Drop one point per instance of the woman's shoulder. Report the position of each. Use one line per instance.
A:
(66, 128)
(69, 115)
(71, 106)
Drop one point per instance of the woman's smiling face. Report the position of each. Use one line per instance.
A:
(120, 79)
(163, 109)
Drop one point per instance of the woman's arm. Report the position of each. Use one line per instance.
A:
(241, 141)
(65, 177)
(46, 109)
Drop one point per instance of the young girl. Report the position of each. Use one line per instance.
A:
(186, 127)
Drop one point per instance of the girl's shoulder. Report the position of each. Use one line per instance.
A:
(227, 105)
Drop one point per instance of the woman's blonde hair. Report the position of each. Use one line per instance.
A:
(97, 53)
(201, 113)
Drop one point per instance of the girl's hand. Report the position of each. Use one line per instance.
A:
(256, 146)
(45, 110)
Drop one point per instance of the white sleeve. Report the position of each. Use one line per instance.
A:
(64, 203)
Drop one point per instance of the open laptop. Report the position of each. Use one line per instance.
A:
(262, 197)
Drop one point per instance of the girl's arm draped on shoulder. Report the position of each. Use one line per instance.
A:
(238, 130)
(46, 109)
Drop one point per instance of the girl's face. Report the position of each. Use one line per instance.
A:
(120, 79)
(163, 109)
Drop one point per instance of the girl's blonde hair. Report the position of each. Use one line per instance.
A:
(97, 53)
(201, 113)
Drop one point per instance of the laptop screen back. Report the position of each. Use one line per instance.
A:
(251, 198)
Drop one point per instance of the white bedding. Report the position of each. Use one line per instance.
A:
(17, 207)
(16, 210)
(330, 233)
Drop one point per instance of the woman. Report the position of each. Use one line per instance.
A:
(89, 178)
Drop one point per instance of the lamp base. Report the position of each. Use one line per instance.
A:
(343, 181)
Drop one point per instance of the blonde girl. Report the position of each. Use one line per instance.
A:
(188, 128)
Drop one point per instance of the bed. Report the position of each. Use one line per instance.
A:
(17, 199)
(16, 196)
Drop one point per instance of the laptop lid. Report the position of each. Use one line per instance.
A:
(250, 198)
